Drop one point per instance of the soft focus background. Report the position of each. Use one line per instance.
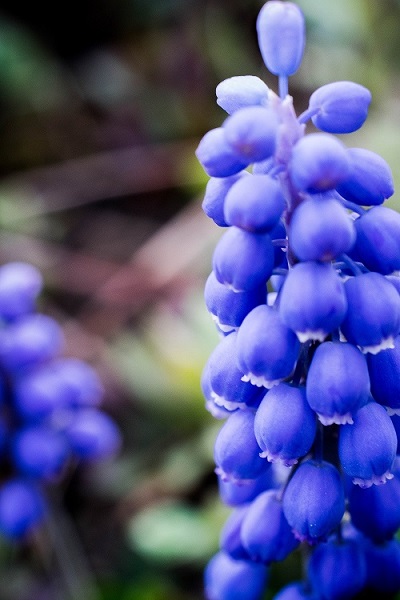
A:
(102, 104)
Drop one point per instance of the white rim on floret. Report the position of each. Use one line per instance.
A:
(227, 404)
(231, 478)
(223, 326)
(375, 480)
(304, 336)
(336, 419)
(276, 458)
(392, 411)
(385, 344)
(260, 380)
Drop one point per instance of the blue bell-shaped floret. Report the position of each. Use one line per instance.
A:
(224, 379)
(319, 163)
(218, 412)
(297, 590)
(314, 500)
(38, 393)
(384, 371)
(337, 570)
(217, 157)
(243, 260)
(281, 36)
(367, 448)
(22, 507)
(215, 194)
(372, 320)
(337, 382)
(378, 240)
(29, 342)
(285, 425)
(383, 568)
(20, 285)
(321, 229)
(228, 579)
(229, 539)
(265, 533)
(312, 301)
(339, 107)
(39, 451)
(370, 180)
(229, 308)
(234, 493)
(251, 133)
(241, 91)
(375, 511)
(236, 452)
(267, 349)
(254, 203)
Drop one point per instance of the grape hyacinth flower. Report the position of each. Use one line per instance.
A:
(305, 291)
(50, 419)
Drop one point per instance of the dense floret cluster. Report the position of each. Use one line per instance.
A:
(49, 405)
(304, 292)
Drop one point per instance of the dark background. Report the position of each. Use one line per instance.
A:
(102, 105)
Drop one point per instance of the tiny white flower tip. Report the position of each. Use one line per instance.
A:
(271, 298)
(392, 411)
(260, 380)
(222, 326)
(336, 419)
(385, 344)
(375, 480)
(276, 458)
(227, 404)
(305, 336)
(228, 477)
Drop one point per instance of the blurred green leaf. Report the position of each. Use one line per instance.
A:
(166, 532)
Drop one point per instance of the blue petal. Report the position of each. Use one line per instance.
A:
(337, 569)
(285, 425)
(255, 203)
(312, 301)
(370, 180)
(375, 511)
(384, 371)
(227, 307)
(243, 260)
(313, 501)
(319, 162)
(251, 133)
(367, 448)
(378, 240)
(281, 36)
(267, 350)
(373, 317)
(215, 194)
(342, 106)
(229, 579)
(236, 452)
(337, 382)
(217, 157)
(321, 230)
(265, 533)
(241, 91)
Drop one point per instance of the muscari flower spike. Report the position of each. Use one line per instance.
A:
(306, 293)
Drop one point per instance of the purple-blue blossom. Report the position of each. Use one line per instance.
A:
(305, 290)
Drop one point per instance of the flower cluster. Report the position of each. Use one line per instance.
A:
(305, 296)
(49, 404)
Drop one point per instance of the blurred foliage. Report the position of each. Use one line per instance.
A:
(101, 107)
